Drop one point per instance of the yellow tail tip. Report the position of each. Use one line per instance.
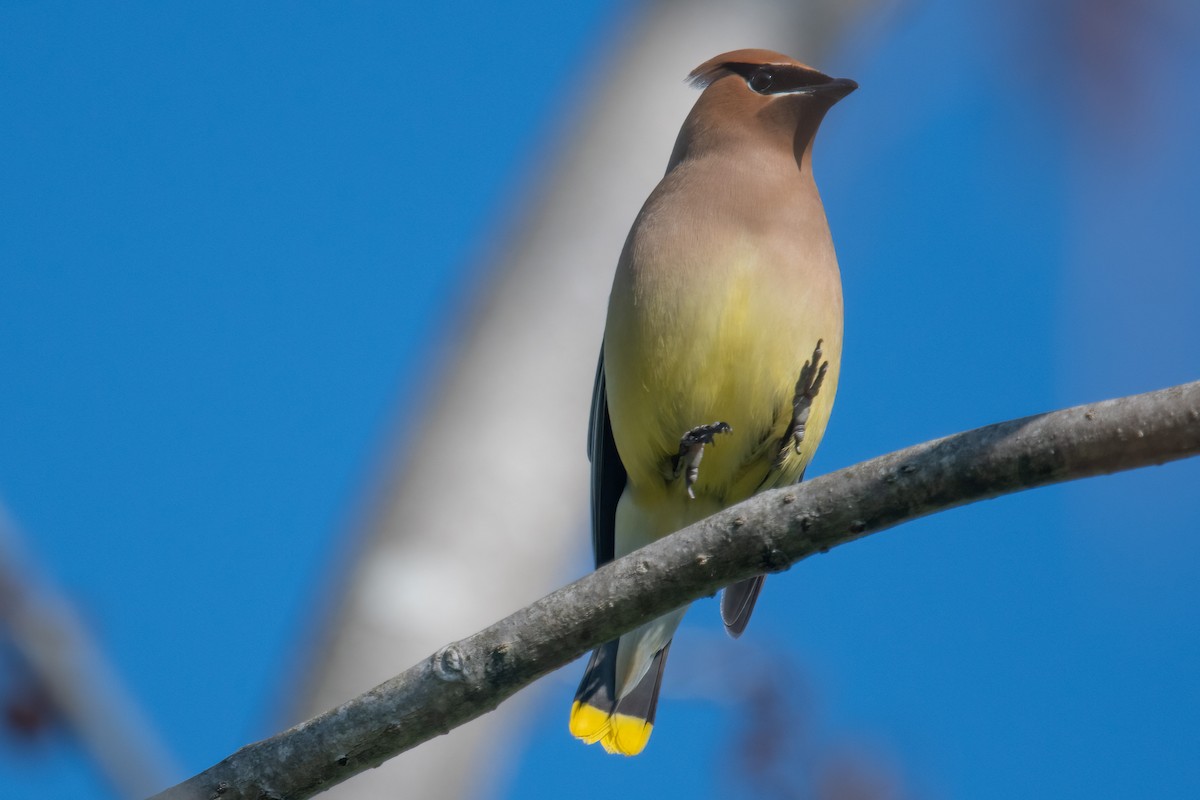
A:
(617, 733)
(588, 722)
(627, 735)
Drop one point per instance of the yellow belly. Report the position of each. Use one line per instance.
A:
(728, 349)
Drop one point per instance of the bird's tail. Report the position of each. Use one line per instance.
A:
(620, 724)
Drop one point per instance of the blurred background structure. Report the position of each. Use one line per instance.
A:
(299, 310)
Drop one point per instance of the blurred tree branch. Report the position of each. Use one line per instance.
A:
(769, 532)
(72, 680)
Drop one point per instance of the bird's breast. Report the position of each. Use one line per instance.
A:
(711, 324)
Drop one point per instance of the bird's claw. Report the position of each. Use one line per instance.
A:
(808, 385)
(691, 450)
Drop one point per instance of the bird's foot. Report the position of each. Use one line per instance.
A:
(808, 385)
(691, 450)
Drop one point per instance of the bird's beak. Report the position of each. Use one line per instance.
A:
(834, 89)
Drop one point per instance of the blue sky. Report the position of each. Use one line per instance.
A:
(230, 240)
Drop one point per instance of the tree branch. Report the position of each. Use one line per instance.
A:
(769, 532)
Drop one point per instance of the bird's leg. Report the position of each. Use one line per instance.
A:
(812, 375)
(691, 450)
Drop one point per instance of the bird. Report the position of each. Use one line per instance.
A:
(722, 343)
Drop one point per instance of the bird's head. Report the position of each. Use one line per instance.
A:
(761, 93)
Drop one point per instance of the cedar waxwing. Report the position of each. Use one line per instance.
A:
(724, 329)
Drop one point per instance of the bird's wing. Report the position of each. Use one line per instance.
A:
(608, 473)
(737, 604)
(737, 601)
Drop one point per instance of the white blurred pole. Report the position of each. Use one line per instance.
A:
(505, 432)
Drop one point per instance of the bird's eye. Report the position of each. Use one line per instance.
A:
(761, 80)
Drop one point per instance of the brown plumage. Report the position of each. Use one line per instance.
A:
(723, 340)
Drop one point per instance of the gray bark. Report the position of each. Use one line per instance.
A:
(769, 532)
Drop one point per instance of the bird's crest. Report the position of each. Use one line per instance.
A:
(722, 65)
